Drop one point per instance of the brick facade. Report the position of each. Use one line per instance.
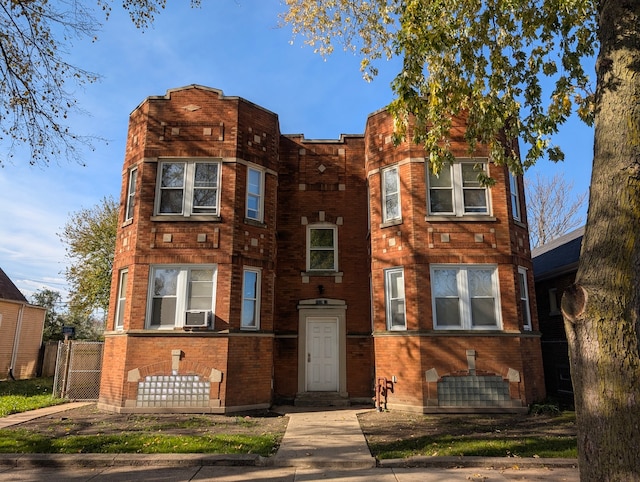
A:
(320, 251)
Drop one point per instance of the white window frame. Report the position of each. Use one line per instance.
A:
(332, 227)
(515, 197)
(131, 193)
(391, 301)
(464, 297)
(395, 172)
(123, 278)
(182, 293)
(259, 196)
(255, 299)
(188, 187)
(524, 297)
(457, 188)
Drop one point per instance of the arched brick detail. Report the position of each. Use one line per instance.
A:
(206, 374)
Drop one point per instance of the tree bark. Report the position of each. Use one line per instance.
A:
(602, 309)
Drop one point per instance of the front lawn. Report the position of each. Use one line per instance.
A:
(25, 441)
(18, 396)
(401, 435)
(90, 430)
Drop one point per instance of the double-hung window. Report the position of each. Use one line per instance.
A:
(131, 193)
(188, 187)
(122, 292)
(390, 195)
(255, 194)
(457, 191)
(515, 201)
(465, 297)
(181, 296)
(524, 297)
(250, 317)
(322, 248)
(394, 299)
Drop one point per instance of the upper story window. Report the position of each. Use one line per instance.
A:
(322, 248)
(181, 296)
(456, 190)
(515, 199)
(465, 297)
(524, 297)
(188, 187)
(250, 317)
(255, 194)
(391, 195)
(394, 299)
(122, 291)
(131, 193)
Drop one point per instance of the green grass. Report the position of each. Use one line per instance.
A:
(23, 395)
(24, 441)
(555, 447)
(550, 437)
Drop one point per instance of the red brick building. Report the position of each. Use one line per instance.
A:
(254, 268)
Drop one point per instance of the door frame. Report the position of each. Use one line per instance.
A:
(322, 308)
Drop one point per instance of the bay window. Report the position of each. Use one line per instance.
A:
(390, 195)
(515, 200)
(465, 297)
(181, 296)
(394, 299)
(255, 194)
(131, 193)
(456, 190)
(250, 316)
(524, 297)
(122, 291)
(188, 187)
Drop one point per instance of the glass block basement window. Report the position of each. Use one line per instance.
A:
(173, 391)
(475, 391)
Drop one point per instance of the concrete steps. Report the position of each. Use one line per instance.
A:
(321, 399)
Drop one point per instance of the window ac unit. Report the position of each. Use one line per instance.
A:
(197, 318)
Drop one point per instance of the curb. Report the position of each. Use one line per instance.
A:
(203, 460)
(473, 461)
(129, 460)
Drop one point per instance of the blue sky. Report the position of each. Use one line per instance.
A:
(232, 45)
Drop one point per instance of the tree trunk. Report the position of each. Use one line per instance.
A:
(602, 309)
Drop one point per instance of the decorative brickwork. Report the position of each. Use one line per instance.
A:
(313, 315)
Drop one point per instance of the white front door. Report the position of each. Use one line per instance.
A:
(322, 354)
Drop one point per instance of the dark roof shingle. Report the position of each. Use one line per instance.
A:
(9, 291)
(558, 256)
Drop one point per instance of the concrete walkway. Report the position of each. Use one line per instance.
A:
(18, 418)
(317, 445)
(323, 439)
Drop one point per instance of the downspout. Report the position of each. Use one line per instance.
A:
(16, 341)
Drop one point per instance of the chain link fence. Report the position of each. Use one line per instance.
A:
(78, 368)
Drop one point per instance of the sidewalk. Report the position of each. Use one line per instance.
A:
(317, 445)
(18, 418)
